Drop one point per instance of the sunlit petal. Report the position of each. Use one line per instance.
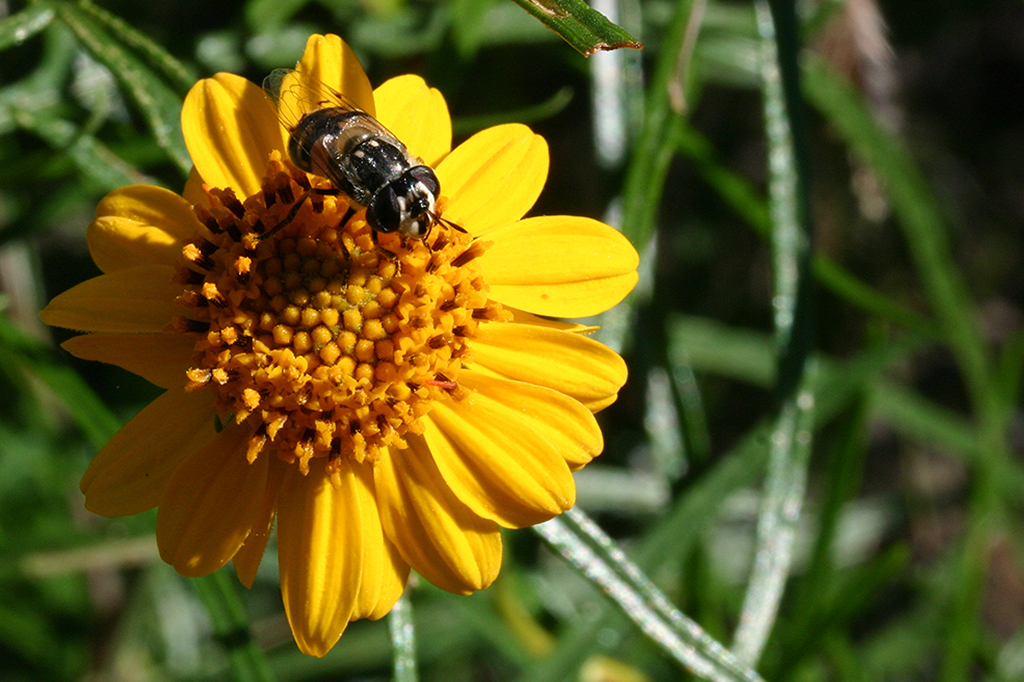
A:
(230, 127)
(247, 559)
(417, 115)
(140, 225)
(384, 572)
(498, 462)
(436, 534)
(571, 364)
(322, 538)
(329, 67)
(523, 317)
(493, 178)
(563, 266)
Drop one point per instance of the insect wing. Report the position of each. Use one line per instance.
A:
(296, 97)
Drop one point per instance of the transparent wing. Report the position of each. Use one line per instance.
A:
(295, 96)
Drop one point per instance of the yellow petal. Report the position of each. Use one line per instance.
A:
(417, 115)
(135, 300)
(597, 405)
(131, 472)
(159, 358)
(230, 127)
(435, 533)
(247, 559)
(140, 225)
(383, 581)
(573, 364)
(193, 192)
(493, 178)
(322, 542)
(496, 459)
(211, 503)
(562, 421)
(329, 67)
(562, 266)
(383, 572)
(523, 317)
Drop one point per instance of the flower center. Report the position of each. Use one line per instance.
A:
(328, 343)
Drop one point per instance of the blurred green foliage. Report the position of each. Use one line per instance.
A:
(908, 557)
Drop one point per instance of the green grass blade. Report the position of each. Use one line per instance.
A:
(586, 29)
(158, 103)
(403, 640)
(839, 384)
(744, 198)
(92, 158)
(177, 73)
(17, 28)
(924, 228)
(648, 165)
(596, 557)
(794, 320)
(22, 354)
(219, 593)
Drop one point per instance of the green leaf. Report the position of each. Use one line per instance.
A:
(743, 355)
(468, 24)
(19, 27)
(21, 353)
(793, 303)
(586, 29)
(268, 15)
(158, 103)
(655, 146)
(176, 72)
(923, 224)
(467, 125)
(92, 158)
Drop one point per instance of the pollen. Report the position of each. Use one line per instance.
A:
(328, 342)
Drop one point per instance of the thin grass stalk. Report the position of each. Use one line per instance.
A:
(678, 530)
(219, 594)
(923, 226)
(791, 437)
(745, 199)
(403, 640)
(655, 147)
(582, 543)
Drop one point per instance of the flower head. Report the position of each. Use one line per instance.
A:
(391, 402)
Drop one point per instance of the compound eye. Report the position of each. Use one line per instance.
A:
(385, 214)
(425, 176)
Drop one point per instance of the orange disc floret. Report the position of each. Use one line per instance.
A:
(333, 345)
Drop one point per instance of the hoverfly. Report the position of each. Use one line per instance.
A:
(364, 160)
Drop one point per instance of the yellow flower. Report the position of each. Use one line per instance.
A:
(391, 405)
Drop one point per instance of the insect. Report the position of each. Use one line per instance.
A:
(364, 160)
